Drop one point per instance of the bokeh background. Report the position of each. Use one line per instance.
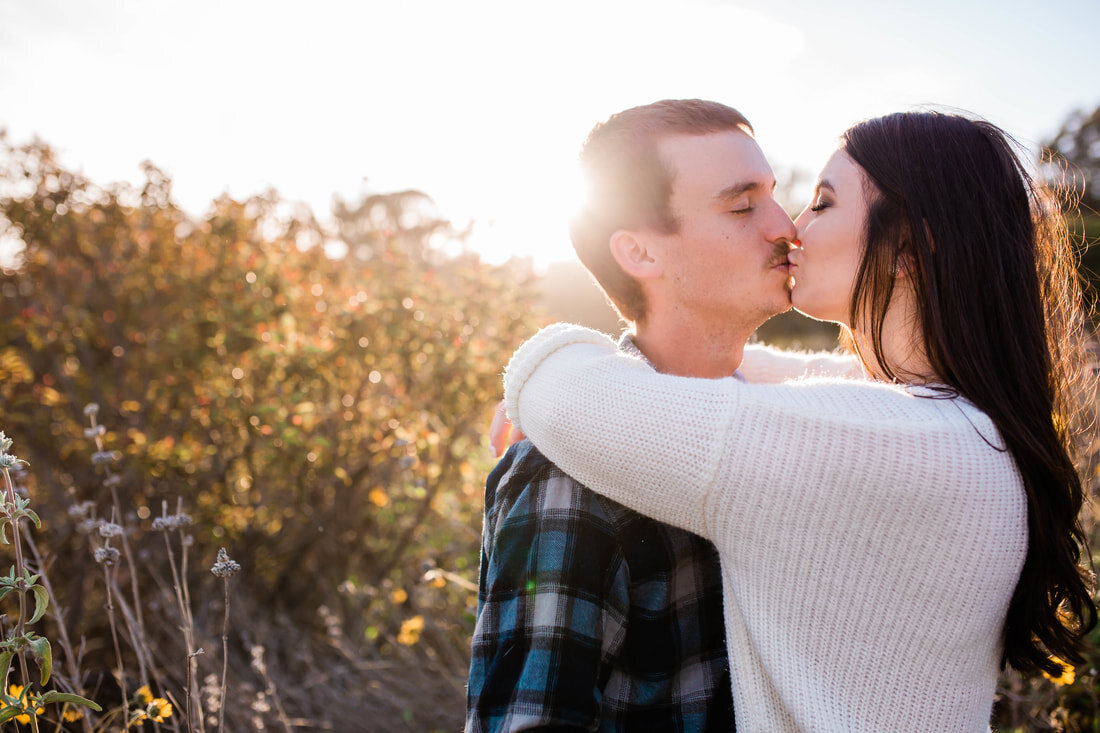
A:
(287, 248)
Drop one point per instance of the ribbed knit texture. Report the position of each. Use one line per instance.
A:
(871, 536)
(764, 364)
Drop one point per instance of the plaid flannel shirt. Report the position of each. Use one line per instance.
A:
(591, 616)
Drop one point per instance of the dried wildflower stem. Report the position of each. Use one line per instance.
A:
(260, 666)
(175, 719)
(185, 543)
(225, 656)
(190, 681)
(193, 687)
(72, 662)
(138, 643)
(138, 618)
(112, 483)
(225, 569)
(114, 637)
(182, 594)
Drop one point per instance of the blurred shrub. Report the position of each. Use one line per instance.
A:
(318, 398)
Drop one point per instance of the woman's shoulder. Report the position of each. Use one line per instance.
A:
(852, 404)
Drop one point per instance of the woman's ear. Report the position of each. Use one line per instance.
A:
(635, 254)
(903, 265)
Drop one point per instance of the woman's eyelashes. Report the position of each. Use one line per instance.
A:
(820, 205)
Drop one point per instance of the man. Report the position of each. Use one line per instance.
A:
(590, 616)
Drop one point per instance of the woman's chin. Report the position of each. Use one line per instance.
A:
(802, 304)
(807, 307)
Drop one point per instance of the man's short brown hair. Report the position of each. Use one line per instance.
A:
(629, 185)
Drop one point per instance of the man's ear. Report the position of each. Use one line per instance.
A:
(634, 253)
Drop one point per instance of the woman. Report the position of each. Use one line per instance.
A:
(888, 543)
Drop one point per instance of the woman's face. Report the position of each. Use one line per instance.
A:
(823, 269)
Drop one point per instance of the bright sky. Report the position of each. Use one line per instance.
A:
(483, 104)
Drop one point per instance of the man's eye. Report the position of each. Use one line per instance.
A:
(744, 210)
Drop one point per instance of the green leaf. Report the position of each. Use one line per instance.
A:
(4, 590)
(4, 532)
(55, 696)
(42, 650)
(5, 663)
(41, 600)
(34, 518)
(8, 713)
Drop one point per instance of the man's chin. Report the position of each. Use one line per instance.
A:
(777, 309)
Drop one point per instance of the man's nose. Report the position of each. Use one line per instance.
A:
(800, 220)
(784, 228)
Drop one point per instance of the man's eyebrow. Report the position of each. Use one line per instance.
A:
(737, 189)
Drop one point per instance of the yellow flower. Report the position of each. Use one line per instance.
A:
(378, 497)
(16, 691)
(399, 596)
(156, 708)
(437, 582)
(159, 710)
(72, 715)
(144, 694)
(410, 630)
(1067, 676)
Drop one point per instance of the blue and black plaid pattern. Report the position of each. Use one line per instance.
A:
(591, 616)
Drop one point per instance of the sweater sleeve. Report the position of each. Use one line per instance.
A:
(897, 516)
(763, 364)
(622, 429)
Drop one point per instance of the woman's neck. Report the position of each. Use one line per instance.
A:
(903, 348)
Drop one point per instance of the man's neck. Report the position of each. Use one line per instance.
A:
(690, 349)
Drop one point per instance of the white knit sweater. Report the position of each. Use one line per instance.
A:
(871, 537)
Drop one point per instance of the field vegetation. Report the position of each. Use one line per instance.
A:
(256, 445)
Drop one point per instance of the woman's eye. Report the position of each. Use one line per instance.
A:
(820, 205)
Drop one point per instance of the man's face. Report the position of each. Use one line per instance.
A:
(728, 258)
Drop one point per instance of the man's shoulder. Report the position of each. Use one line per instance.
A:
(520, 463)
(525, 482)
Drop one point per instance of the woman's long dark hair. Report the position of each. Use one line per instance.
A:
(999, 304)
